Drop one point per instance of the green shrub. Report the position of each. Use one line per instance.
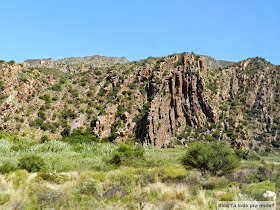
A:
(253, 157)
(19, 178)
(214, 158)
(42, 114)
(7, 167)
(46, 97)
(126, 177)
(67, 131)
(57, 87)
(11, 62)
(37, 122)
(55, 98)
(32, 163)
(48, 106)
(127, 155)
(4, 198)
(169, 173)
(68, 113)
(44, 139)
(277, 184)
(78, 139)
(228, 196)
(89, 186)
(215, 182)
(242, 154)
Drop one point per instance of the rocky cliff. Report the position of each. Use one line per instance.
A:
(160, 101)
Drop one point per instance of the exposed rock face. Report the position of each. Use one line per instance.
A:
(181, 96)
(75, 64)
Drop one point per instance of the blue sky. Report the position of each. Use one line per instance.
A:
(228, 30)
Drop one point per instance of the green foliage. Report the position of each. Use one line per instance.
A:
(74, 92)
(46, 97)
(133, 86)
(7, 167)
(78, 139)
(89, 186)
(57, 87)
(180, 61)
(32, 163)
(213, 87)
(48, 106)
(37, 122)
(89, 93)
(66, 132)
(276, 144)
(62, 80)
(42, 114)
(78, 136)
(126, 155)
(4, 198)
(172, 172)
(144, 111)
(256, 190)
(44, 139)
(68, 113)
(3, 97)
(253, 156)
(53, 72)
(277, 183)
(213, 158)
(11, 62)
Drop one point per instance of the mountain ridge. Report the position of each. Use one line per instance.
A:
(168, 100)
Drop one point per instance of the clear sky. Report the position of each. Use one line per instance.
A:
(226, 29)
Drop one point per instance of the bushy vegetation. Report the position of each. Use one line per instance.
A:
(32, 163)
(127, 155)
(92, 175)
(214, 158)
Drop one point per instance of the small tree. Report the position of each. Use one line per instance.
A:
(11, 62)
(44, 139)
(66, 132)
(214, 158)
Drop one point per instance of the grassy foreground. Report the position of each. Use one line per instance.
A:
(80, 176)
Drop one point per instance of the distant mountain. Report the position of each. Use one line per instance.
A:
(215, 64)
(75, 64)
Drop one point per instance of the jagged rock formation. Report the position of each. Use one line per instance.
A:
(75, 64)
(174, 99)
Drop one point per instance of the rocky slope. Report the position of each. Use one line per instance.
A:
(170, 100)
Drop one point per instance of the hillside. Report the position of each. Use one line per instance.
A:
(169, 100)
